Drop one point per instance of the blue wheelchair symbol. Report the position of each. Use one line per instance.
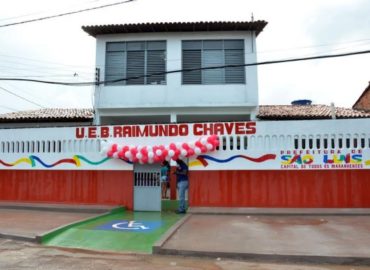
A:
(130, 226)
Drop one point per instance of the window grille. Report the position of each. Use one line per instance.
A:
(198, 54)
(135, 60)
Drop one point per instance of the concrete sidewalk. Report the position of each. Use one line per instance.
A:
(27, 222)
(335, 239)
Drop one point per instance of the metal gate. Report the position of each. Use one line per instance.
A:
(147, 187)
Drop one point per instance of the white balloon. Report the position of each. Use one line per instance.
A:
(209, 146)
(149, 148)
(171, 153)
(191, 144)
(115, 155)
(119, 148)
(150, 154)
(203, 140)
(139, 155)
(128, 154)
(139, 147)
(183, 152)
(158, 152)
(197, 150)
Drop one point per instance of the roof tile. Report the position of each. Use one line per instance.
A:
(49, 115)
(296, 112)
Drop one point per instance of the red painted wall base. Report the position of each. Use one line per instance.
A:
(70, 187)
(329, 188)
(334, 188)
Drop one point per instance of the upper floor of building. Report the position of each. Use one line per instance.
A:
(176, 65)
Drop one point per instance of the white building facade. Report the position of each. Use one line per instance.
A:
(150, 62)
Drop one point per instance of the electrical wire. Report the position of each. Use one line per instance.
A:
(30, 101)
(9, 108)
(40, 12)
(23, 92)
(66, 13)
(189, 70)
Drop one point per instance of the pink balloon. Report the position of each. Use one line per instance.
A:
(190, 152)
(114, 147)
(157, 159)
(203, 149)
(185, 146)
(121, 154)
(164, 153)
(110, 154)
(199, 144)
(133, 151)
(144, 151)
(173, 146)
(144, 159)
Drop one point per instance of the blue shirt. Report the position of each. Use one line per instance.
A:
(182, 172)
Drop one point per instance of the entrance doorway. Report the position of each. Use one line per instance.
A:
(147, 187)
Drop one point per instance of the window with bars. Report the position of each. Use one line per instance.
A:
(198, 54)
(136, 60)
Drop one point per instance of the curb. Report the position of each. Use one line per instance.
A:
(42, 237)
(272, 258)
(157, 247)
(18, 237)
(58, 207)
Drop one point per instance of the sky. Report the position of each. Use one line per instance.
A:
(59, 50)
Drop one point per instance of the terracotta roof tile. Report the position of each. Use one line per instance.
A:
(296, 112)
(47, 115)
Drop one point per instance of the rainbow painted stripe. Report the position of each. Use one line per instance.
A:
(76, 160)
(202, 159)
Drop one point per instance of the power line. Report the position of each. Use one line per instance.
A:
(189, 70)
(30, 101)
(9, 108)
(11, 87)
(38, 12)
(67, 13)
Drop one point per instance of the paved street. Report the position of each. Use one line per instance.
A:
(20, 255)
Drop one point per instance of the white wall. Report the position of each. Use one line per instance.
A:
(273, 138)
(174, 94)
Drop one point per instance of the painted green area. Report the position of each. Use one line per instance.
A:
(170, 205)
(45, 238)
(87, 236)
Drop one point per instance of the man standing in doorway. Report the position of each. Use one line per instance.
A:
(182, 184)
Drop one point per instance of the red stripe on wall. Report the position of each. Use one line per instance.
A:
(324, 188)
(70, 187)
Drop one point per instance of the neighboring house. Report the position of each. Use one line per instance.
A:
(138, 50)
(308, 112)
(363, 102)
(47, 118)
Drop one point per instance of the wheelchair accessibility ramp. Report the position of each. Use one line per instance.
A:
(118, 231)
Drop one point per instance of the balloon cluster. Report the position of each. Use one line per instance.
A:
(159, 153)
